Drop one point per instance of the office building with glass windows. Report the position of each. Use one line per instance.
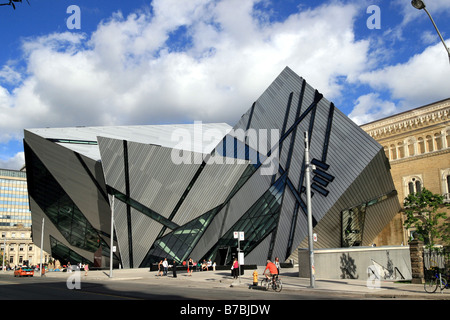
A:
(16, 246)
(182, 191)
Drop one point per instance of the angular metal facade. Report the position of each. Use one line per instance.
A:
(251, 178)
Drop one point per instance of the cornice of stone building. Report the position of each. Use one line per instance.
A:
(431, 114)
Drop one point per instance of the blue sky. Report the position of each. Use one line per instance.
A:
(176, 61)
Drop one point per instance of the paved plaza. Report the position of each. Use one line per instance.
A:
(291, 282)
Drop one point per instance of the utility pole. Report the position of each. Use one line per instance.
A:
(308, 205)
(42, 246)
(112, 240)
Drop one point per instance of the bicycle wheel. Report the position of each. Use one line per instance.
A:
(443, 284)
(431, 285)
(265, 284)
(279, 285)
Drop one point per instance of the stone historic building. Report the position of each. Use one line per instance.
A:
(417, 144)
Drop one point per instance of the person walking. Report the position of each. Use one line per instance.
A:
(165, 266)
(160, 268)
(86, 269)
(277, 264)
(235, 268)
(190, 266)
(174, 268)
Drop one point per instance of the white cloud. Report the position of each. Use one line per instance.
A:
(14, 163)
(371, 107)
(127, 71)
(423, 79)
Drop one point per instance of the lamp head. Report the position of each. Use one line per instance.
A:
(418, 4)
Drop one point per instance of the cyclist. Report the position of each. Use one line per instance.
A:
(272, 271)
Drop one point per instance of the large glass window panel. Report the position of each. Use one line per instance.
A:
(60, 209)
(263, 217)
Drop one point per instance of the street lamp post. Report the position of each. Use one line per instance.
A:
(419, 4)
(112, 240)
(42, 247)
(309, 209)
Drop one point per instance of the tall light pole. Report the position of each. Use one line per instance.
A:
(419, 4)
(112, 240)
(309, 209)
(42, 247)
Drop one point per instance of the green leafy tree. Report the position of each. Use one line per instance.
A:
(423, 213)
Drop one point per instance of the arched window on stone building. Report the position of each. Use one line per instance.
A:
(429, 144)
(420, 145)
(412, 184)
(411, 146)
(393, 152)
(438, 141)
(401, 150)
(447, 137)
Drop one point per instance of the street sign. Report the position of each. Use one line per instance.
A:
(238, 235)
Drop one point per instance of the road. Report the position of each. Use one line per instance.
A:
(36, 288)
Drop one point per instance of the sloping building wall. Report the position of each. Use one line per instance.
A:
(167, 209)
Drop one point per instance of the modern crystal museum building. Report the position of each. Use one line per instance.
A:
(181, 191)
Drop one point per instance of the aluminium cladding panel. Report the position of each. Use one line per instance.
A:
(211, 235)
(211, 188)
(112, 156)
(144, 231)
(258, 255)
(70, 173)
(284, 225)
(157, 180)
(377, 217)
(247, 195)
(121, 231)
(373, 182)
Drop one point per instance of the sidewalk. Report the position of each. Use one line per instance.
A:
(291, 282)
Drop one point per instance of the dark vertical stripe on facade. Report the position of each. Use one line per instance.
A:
(127, 193)
(91, 176)
(250, 116)
(283, 129)
(327, 134)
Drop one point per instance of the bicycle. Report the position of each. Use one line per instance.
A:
(275, 284)
(436, 280)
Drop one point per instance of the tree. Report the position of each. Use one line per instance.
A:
(421, 211)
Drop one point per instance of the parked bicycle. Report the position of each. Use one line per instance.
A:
(275, 284)
(436, 280)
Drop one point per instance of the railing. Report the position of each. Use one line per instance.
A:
(438, 258)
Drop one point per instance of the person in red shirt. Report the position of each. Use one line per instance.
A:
(272, 270)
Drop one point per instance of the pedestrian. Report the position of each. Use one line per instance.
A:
(214, 266)
(190, 266)
(174, 268)
(235, 268)
(160, 268)
(277, 264)
(86, 269)
(165, 266)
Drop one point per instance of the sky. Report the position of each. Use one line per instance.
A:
(66, 63)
